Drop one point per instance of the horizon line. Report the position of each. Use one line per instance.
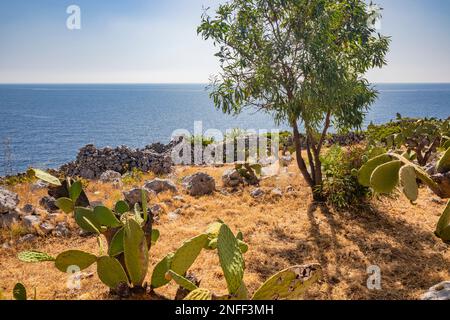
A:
(179, 83)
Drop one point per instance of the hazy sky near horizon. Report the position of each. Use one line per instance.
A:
(154, 41)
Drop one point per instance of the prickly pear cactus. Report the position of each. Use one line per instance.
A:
(199, 294)
(135, 252)
(231, 259)
(385, 178)
(116, 245)
(20, 292)
(408, 182)
(181, 281)
(443, 164)
(365, 173)
(87, 221)
(80, 259)
(186, 255)
(34, 256)
(289, 284)
(44, 176)
(159, 272)
(111, 272)
(443, 226)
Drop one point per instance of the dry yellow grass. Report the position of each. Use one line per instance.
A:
(393, 234)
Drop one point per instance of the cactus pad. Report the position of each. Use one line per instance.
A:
(366, 170)
(385, 178)
(231, 259)
(121, 207)
(80, 259)
(34, 256)
(111, 272)
(46, 177)
(289, 284)
(116, 246)
(185, 256)
(443, 164)
(85, 218)
(181, 281)
(443, 226)
(106, 217)
(199, 294)
(136, 252)
(75, 190)
(65, 204)
(160, 270)
(408, 182)
(20, 292)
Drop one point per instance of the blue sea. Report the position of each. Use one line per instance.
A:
(45, 125)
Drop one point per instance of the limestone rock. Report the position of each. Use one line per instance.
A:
(110, 176)
(257, 193)
(49, 204)
(134, 196)
(231, 178)
(440, 291)
(160, 185)
(199, 184)
(8, 200)
(7, 220)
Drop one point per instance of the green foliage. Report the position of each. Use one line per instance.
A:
(421, 137)
(44, 176)
(261, 48)
(20, 292)
(443, 226)
(129, 240)
(251, 173)
(443, 164)
(340, 185)
(181, 281)
(34, 256)
(385, 177)
(199, 294)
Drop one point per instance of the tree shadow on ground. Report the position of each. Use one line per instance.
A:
(346, 244)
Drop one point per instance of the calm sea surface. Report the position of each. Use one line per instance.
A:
(45, 125)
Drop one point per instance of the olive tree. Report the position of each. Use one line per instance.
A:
(302, 61)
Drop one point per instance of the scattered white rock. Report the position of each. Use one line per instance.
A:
(440, 291)
(156, 209)
(27, 238)
(179, 198)
(30, 222)
(199, 184)
(47, 227)
(174, 215)
(28, 209)
(62, 230)
(277, 192)
(286, 160)
(49, 204)
(160, 185)
(257, 193)
(39, 185)
(7, 220)
(8, 200)
(135, 196)
(110, 176)
(231, 178)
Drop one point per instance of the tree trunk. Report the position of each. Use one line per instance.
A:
(298, 151)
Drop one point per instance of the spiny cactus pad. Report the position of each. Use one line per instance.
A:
(74, 258)
(443, 164)
(181, 281)
(366, 171)
(185, 255)
(443, 226)
(46, 177)
(75, 190)
(65, 204)
(408, 182)
(116, 246)
(34, 256)
(289, 284)
(20, 292)
(160, 270)
(106, 217)
(385, 178)
(111, 272)
(121, 207)
(85, 218)
(199, 294)
(231, 259)
(136, 252)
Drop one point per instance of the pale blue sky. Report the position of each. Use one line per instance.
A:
(156, 42)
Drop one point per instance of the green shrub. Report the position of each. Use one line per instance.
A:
(340, 184)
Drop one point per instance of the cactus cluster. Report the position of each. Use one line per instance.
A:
(385, 172)
(420, 137)
(250, 173)
(287, 284)
(129, 234)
